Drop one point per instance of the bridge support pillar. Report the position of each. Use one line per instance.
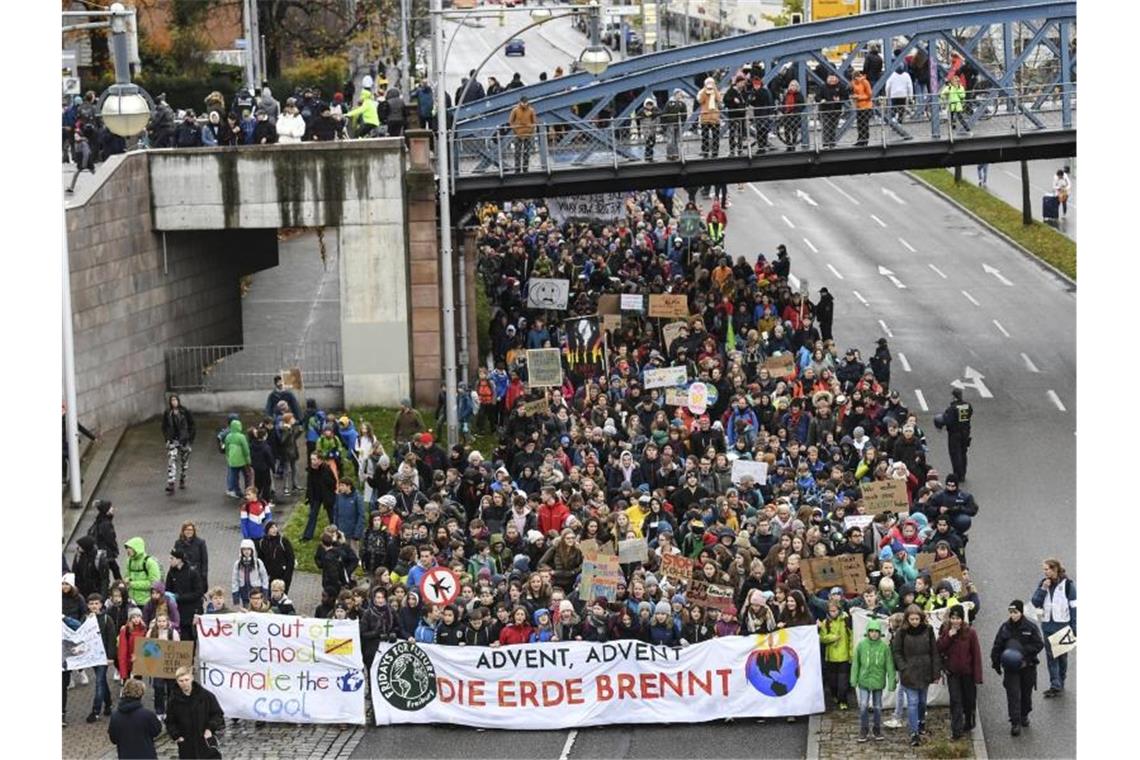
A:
(423, 264)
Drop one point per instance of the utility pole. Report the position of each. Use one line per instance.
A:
(250, 46)
(256, 47)
(1026, 207)
(405, 73)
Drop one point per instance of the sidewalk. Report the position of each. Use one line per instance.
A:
(832, 736)
(1005, 183)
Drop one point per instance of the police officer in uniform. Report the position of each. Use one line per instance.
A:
(956, 420)
(1014, 656)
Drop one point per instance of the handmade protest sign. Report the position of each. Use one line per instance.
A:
(632, 302)
(884, 496)
(595, 207)
(780, 366)
(677, 568)
(585, 347)
(672, 331)
(536, 407)
(609, 303)
(676, 397)
(159, 658)
(668, 305)
(546, 293)
(633, 550)
(704, 594)
(83, 647)
(665, 377)
(857, 521)
(946, 568)
(845, 570)
(558, 685)
(1062, 641)
(291, 379)
(543, 368)
(758, 471)
(282, 668)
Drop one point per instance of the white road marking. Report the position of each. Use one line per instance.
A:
(937, 271)
(902, 360)
(886, 329)
(805, 197)
(862, 300)
(997, 273)
(1056, 400)
(907, 246)
(787, 221)
(921, 400)
(970, 298)
(762, 196)
(842, 192)
(891, 276)
(794, 281)
(880, 221)
(809, 245)
(1001, 329)
(835, 271)
(1029, 365)
(974, 379)
(569, 745)
(893, 196)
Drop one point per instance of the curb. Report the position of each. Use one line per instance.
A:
(980, 752)
(100, 461)
(1010, 241)
(814, 722)
(555, 45)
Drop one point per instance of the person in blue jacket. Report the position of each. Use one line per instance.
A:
(312, 423)
(1056, 602)
(349, 512)
(663, 628)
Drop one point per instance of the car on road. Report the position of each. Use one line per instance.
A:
(515, 47)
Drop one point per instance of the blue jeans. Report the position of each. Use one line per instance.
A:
(1058, 666)
(232, 474)
(870, 700)
(900, 702)
(915, 707)
(102, 692)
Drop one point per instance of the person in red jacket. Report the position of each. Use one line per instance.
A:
(519, 630)
(553, 513)
(962, 661)
(134, 629)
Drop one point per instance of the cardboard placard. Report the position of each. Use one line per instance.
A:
(1062, 641)
(633, 550)
(291, 379)
(885, 496)
(923, 561)
(158, 658)
(546, 293)
(845, 570)
(668, 305)
(605, 587)
(606, 567)
(611, 322)
(632, 302)
(665, 377)
(609, 303)
(946, 568)
(677, 568)
(676, 397)
(543, 368)
(671, 332)
(536, 407)
(705, 594)
(757, 470)
(780, 366)
(589, 548)
(857, 521)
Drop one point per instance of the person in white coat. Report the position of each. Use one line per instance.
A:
(898, 90)
(1061, 189)
(290, 125)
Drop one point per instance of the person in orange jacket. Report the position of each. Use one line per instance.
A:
(861, 92)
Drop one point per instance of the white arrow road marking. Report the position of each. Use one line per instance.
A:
(762, 196)
(794, 281)
(937, 271)
(907, 246)
(835, 271)
(787, 221)
(805, 197)
(1029, 365)
(1056, 400)
(880, 221)
(862, 300)
(886, 329)
(902, 360)
(921, 400)
(997, 273)
(842, 192)
(891, 194)
(890, 276)
(569, 745)
(809, 245)
(970, 298)
(973, 380)
(1001, 329)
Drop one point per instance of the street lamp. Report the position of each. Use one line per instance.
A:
(125, 107)
(596, 58)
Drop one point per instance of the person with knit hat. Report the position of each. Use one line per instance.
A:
(568, 626)
(248, 573)
(962, 661)
(663, 627)
(1014, 657)
(103, 531)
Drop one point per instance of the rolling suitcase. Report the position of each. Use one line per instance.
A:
(1049, 207)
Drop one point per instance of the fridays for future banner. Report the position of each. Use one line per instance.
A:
(574, 684)
(282, 667)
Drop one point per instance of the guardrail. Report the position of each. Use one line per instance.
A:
(559, 146)
(251, 367)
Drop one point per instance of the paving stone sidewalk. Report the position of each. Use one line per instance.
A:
(839, 730)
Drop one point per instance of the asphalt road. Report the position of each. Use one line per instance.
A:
(950, 314)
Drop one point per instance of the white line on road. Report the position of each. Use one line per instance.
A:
(1001, 329)
(921, 400)
(1029, 365)
(835, 271)
(787, 221)
(842, 192)
(902, 360)
(862, 300)
(893, 196)
(809, 245)
(907, 246)
(886, 329)
(569, 745)
(880, 221)
(937, 271)
(805, 197)
(970, 298)
(1056, 400)
(794, 281)
(762, 196)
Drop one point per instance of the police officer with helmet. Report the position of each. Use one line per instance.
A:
(1014, 656)
(956, 421)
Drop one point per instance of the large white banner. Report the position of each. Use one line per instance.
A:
(577, 683)
(602, 207)
(282, 667)
(83, 647)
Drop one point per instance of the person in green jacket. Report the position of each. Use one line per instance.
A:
(142, 571)
(835, 635)
(369, 116)
(954, 96)
(236, 447)
(872, 670)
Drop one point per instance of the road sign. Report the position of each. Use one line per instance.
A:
(623, 10)
(439, 586)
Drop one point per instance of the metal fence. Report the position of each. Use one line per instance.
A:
(243, 368)
(615, 142)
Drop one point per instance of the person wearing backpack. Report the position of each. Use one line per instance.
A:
(90, 566)
(312, 423)
(142, 571)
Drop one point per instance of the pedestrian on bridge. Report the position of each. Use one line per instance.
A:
(711, 103)
(832, 99)
(523, 121)
(673, 119)
(791, 120)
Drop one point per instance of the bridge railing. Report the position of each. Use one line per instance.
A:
(561, 146)
(251, 367)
